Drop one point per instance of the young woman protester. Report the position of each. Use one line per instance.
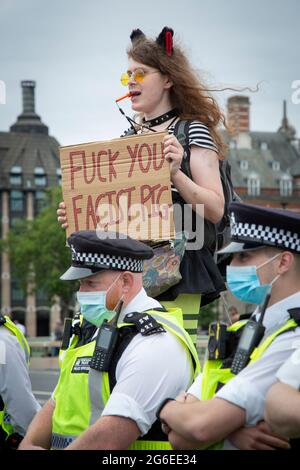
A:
(164, 89)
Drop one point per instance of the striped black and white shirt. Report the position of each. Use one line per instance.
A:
(199, 135)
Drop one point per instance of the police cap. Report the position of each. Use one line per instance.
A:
(93, 252)
(253, 227)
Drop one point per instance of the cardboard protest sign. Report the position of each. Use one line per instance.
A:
(122, 185)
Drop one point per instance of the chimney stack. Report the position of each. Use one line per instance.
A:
(238, 114)
(28, 87)
(29, 121)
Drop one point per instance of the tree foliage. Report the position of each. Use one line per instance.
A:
(208, 314)
(38, 253)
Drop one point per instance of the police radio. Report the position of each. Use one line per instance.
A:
(252, 335)
(217, 335)
(106, 342)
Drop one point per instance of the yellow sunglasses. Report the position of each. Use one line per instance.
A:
(138, 76)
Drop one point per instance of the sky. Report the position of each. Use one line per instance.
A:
(75, 50)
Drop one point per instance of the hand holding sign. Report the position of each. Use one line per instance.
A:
(62, 215)
(173, 151)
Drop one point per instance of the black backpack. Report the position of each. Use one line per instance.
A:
(222, 228)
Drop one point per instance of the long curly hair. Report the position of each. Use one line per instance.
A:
(188, 94)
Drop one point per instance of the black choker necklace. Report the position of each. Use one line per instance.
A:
(160, 119)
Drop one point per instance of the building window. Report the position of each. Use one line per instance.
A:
(40, 178)
(275, 166)
(263, 146)
(17, 207)
(253, 186)
(286, 186)
(40, 201)
(42, 297)
(17, 201)
(244, 165)
(19, 313)
(17, 294)
(16, 176)
(42, 321)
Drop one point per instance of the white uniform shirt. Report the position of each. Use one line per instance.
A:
(249, 388)
(15, 386)
(289, 372)
(150, 369)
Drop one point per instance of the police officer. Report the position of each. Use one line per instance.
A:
(282, 410)
(265, 252)
(154, 357)
(17, 403)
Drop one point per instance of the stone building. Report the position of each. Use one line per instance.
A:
(29, 164)
(265, 165)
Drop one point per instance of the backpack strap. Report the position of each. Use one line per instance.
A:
(181, 131)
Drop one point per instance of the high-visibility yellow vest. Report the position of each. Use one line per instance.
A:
(5, 422)
(81, 397)
(214, 375)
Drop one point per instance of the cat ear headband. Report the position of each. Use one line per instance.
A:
(164, 39)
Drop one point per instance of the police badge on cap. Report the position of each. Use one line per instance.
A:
(253, 227)
(93, 252)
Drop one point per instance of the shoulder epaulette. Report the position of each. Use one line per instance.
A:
(295, 314)
(144, 323)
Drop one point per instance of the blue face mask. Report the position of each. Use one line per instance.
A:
(244, 283)
(93, 306)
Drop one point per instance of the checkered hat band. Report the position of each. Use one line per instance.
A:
(120, 263)
(271, 235)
